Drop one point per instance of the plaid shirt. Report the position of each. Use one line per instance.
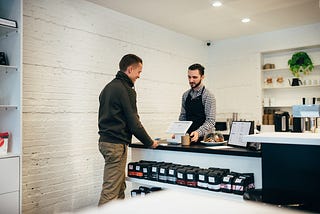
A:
(209, 103)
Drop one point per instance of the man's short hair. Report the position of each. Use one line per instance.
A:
(127, 60)
(197, 67)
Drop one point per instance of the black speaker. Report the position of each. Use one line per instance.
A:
(3, 59)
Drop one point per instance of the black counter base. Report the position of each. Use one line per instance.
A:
(258, 196)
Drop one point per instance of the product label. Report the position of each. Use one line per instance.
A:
(202, 184)
(237, 187)
(214, 187)
(3, 145)
(226, 179)
(211, 179)
(201, 177)
(238, 180)
(190, 176)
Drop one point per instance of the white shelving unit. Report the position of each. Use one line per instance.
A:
(281, 95)
(10, 107)
(242, 164)
(224, 195)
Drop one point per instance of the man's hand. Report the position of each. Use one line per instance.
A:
(194, 136)
(155, 144)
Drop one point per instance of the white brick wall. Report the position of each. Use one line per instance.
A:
(71, 50)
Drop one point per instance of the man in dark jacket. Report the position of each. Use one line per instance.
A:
(118, 121)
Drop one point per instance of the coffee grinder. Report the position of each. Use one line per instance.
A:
(281, 121)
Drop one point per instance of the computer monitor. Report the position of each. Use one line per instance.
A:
(238, 130)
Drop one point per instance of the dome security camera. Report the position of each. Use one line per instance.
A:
(208, 43)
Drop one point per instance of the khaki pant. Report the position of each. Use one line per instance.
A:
(115, 156)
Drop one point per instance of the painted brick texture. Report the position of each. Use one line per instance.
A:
(71, 49)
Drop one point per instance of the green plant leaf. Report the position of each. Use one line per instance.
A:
(300, 62)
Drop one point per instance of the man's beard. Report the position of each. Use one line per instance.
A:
(196, 85)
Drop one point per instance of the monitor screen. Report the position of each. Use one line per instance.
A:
(238, 130)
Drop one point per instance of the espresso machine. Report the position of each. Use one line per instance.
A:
(306, 118)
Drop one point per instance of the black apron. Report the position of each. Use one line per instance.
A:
(195, 112)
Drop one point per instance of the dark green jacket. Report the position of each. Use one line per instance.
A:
(118, 116)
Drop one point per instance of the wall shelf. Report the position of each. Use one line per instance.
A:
(277, 96)
(282, 95)
(8, 107)
(279, 106)
(291, 87)
(8, 68)
(6, 29)
(287, 69)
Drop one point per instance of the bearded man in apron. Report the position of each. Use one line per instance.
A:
(198, 105)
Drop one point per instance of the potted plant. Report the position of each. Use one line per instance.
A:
(300, 62)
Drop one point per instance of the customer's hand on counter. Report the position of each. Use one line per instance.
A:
(155, 144)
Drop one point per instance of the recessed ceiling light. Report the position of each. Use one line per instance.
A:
(245, 20)
(216, 4)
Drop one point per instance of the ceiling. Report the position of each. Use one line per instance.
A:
(198, 19)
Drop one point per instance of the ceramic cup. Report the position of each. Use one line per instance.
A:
(185, 140)
(307, 82)
(315, 82)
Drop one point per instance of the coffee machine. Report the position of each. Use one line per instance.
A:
(306, 118)
(281, 121)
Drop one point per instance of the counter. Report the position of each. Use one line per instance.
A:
(199, 148)
(290, 168)
(285, 138)
(173, 201)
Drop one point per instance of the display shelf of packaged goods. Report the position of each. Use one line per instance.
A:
(7, 68)
(228, 196)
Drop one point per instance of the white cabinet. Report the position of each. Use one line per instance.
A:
(9, 179)
(10, 203)
(10, 185)
(280, 95)
(10, 105)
